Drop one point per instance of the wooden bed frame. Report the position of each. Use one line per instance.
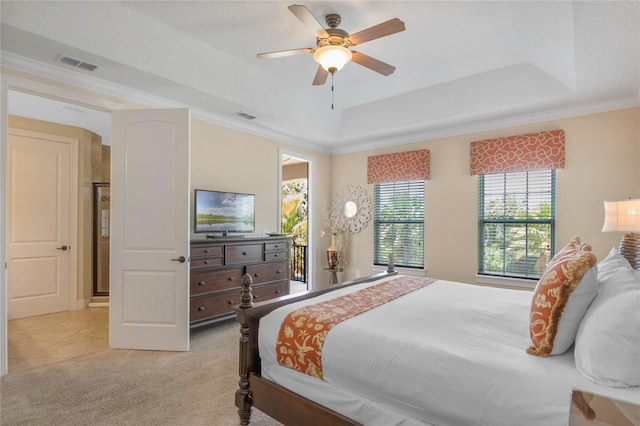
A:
(274, 400)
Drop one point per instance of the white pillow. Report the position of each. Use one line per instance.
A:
(607, 349)
(577, 305)
(611, 264)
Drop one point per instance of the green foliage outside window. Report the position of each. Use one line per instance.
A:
(516, 223)
(399, 223)
(294, 210)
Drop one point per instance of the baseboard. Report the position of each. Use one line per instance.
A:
(99, 302)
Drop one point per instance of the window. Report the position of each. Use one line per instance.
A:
(516, 223)
(398, 210)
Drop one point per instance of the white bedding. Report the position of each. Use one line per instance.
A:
(448, 354)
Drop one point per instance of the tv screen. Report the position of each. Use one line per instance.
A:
(217, 211)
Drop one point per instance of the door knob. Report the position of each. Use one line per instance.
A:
(181, 259)
(63, 248)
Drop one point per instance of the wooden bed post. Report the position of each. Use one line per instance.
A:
(266, 396)
(243, 398)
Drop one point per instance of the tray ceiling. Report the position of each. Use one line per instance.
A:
(460, 66)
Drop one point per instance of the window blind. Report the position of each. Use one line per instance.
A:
(516, 223)
(399, 223)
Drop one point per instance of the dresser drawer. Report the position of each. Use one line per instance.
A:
(269, 291)
(268, 272)
(204, 282)
(212, 306)
(243, 253)
(276, 246)
(206, 251)
(206, 262)
(275, 255)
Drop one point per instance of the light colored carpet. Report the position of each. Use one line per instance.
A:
(116, 387)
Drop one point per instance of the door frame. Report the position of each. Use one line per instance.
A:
(11, 82)
(311, 226)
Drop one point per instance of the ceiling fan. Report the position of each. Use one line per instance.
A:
(332, 51)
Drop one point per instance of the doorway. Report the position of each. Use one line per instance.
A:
(295, 187)
(29, 107)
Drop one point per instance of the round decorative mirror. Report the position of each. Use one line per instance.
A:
(351, 209)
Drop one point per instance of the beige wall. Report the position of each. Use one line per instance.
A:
(229, 160)
(294, 171)
(602, 163)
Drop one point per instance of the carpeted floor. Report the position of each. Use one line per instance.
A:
(114, 387)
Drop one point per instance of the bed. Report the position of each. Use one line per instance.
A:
(443, 353)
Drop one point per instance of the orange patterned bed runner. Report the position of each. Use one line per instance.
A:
(304, 330)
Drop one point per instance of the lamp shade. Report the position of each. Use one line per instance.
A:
(622, 216)
(332, 58)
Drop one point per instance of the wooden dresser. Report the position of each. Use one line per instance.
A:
(217, 267)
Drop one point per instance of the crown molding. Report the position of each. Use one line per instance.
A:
(435, 130)
(88, 82)
(483, 122)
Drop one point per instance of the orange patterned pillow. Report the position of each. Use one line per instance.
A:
(552, 293)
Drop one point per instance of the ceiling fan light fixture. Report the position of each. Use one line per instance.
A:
(332, 58)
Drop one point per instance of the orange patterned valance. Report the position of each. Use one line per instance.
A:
(399, 166)
(533, 151)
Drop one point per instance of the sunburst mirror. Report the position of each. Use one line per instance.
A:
(351, 209)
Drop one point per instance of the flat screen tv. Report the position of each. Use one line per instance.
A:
(225, 212)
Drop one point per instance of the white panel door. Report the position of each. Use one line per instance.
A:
(149, 291)
(39, 249)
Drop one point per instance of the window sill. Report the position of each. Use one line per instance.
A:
(402, 271)
(507, 282)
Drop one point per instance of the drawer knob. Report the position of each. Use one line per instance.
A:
(257, 274)
(200, 282)
(244, 253)
(278, 271)
(277, 291)
(201, 308)
(231, 301)
(275, 255)
(230, 278)
(206, 262)
(206, 250)
(276, 246)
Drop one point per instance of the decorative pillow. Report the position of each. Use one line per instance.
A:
(607, 350)
(557, 306)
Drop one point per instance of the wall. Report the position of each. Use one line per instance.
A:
(294, 171)
(230, 160)
(602, 163)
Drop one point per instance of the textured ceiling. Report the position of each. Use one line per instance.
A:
(461, 66)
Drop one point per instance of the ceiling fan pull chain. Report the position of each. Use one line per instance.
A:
(332, 90)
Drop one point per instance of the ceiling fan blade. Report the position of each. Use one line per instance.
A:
(282, 53)
(372, 63)
(321, 76)
(392, 26)
(303, 14)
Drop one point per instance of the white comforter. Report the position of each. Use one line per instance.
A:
(448, 354)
